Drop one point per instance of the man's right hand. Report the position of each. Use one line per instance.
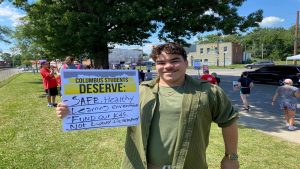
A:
(62, 110)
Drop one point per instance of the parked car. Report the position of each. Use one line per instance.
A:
(259, 64)
(276, 73)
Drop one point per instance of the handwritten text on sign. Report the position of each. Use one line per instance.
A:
(100, 98)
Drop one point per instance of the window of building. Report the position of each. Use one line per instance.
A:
(225, 48)
(216, 50)
(208, 50)
(201, 50)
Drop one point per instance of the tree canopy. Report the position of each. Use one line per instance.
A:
(5, 32)
(90, 27)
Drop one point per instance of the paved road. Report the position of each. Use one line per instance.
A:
(262, 116)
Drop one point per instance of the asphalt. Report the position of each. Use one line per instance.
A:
(262, 116)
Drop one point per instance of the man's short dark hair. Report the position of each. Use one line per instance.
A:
(169, 48)
(245, 74)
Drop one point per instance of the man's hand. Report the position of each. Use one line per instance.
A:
(229, 164)
(62, 110)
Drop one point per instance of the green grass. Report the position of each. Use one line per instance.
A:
(289, 62)
(31, 137)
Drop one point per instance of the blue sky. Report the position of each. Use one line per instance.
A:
(277, 13)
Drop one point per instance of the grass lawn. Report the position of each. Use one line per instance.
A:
(31, 137)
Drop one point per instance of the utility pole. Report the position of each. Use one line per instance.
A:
(224, 60)
(218, 48)
(262, 51)
(296, 37)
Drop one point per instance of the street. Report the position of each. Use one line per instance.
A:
(262, 116)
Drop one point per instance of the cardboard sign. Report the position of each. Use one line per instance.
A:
(100, 98)
(235, 85)
(197, 64)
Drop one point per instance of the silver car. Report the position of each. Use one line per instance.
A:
(259, 64)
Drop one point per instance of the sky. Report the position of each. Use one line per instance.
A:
(277, 13)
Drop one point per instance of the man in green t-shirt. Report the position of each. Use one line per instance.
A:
(176, 116)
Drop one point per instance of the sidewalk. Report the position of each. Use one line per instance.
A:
(272, 124)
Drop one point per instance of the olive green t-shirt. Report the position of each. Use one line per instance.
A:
(164, 126)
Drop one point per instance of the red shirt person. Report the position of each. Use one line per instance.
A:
(49, 83)
(210, 78)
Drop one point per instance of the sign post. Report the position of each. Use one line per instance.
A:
(197, 65)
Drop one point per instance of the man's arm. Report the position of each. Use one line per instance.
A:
(297, 93)
(275, 97)
(230, 136)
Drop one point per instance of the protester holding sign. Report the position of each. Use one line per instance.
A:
(245, 84)
(148, 75)
(218, 79)
(210, 78)
(70, 64)
(176, 115)
(49, 83)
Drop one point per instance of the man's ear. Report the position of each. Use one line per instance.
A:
(187, 63)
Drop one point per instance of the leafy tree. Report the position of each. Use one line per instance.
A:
(92, 27)
(276, 43)
(17, 59)
(28, 47)
(6, 57)
(212, 38)
(5, 33)
(27, 63)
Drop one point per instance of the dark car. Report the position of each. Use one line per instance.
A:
(259, 64)
(276, 74)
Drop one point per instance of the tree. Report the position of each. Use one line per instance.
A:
(29, 48)
(92, 27)
(275, 43)
(5, 33)
(6, 57)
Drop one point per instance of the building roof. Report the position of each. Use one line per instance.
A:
(190, 49)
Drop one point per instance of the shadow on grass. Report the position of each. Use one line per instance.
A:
(40, 81)
(42, 95)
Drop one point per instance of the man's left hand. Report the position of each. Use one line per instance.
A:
(229, 164)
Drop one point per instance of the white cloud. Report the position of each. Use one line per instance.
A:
(211, 12)
(10, 13)
(271, 21)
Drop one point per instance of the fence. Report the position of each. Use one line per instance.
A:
(7, 73)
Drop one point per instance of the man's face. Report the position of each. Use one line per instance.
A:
(171, 69)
